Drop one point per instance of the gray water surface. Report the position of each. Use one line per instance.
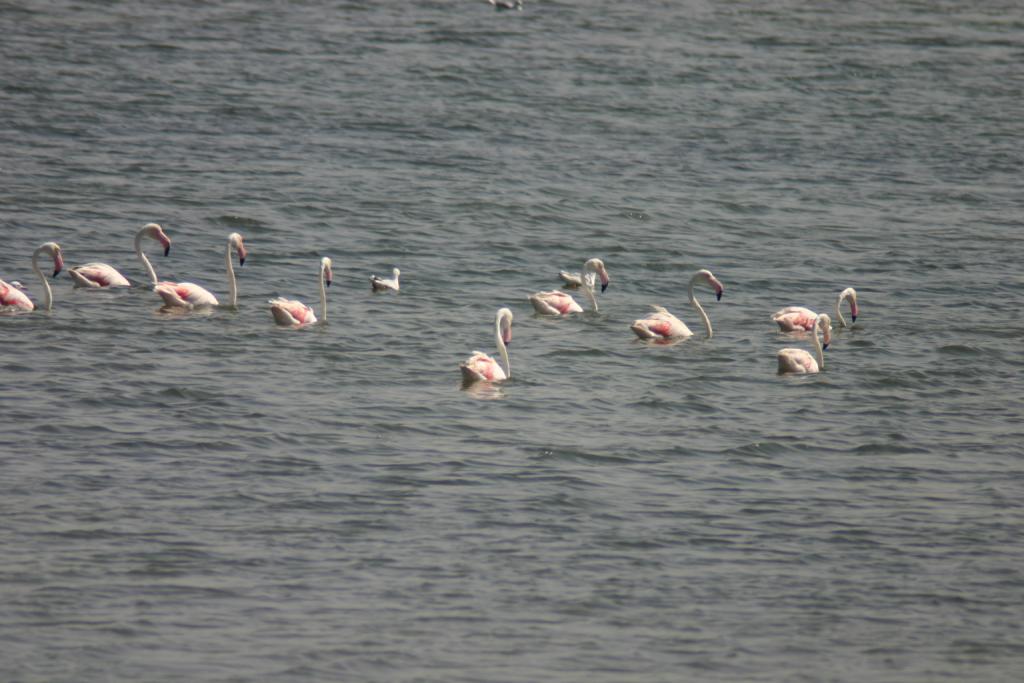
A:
(209, 497)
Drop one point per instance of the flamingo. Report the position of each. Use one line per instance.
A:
(482, 368)
(560, 303)
(104, 275)
(800, 361)
(574, 280)
(11, 294)
(796, 318)
(189, 295)
(380, 284)
(662, 325)
(296, 313)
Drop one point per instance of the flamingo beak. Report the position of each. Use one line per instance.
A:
(824, 346)
(241, 256)
(718, 295)
(604, 286)
(58, 264)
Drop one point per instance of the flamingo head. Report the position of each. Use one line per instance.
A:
(825, 323)
(596, 265)
(713, 282)
(395, 272)
(325, 269)
(505, 325)
(850, 294)
(235, 240)
(155, 232)
(53, 250)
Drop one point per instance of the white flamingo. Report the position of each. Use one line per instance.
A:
(295, 313)
(575, 280)
(662, 325)
(380, 284)
(11, 295)
(189, 295)
(103, 275)
(795, 318)
(560, 303)
(800, 361)
(482, 368)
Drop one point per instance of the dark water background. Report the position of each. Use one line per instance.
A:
(211, 498)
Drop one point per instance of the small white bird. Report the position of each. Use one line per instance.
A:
(507, 4)
(380, 284)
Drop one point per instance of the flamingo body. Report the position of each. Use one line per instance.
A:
(795, 318)
(95, 275)
(185, 295)
(294, 313)
(660, 325)
(191, 295)
(98, 275)
(554, 303)
(12, 297)
(480, 367)
(798, 361)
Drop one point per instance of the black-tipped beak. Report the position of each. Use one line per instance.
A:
(718, 296)
(56, 272)
(853, 318)
(824, 347)
(241, 261)
(167, 250)
(327, 282)
(604, 286)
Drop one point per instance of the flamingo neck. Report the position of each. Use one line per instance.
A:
(232, 285)
(839, 312)
(47, 292)
(588, 288)
(696, 304)
(142, 257)
(501, 348)
(323, 296)
(817, 343)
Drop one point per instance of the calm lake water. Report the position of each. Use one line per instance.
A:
(209, 497)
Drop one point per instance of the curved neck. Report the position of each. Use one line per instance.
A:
(323, 296)
(232, 286)
(700, 309)
(839, 313)
(589, 290)
(142, 257)
(817, 345)
(47, 293)
(501, 347)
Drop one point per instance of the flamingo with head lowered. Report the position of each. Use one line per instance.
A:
(797, 318)
(575, 280)
(482, 368)
(662, 325)
(560, 303)
(13, 298)
(190, 295)
(104, 275)
(297, 314)
(800, 361)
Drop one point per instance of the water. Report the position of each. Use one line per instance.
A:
(209, 497)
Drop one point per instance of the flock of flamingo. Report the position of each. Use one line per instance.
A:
(660, 325)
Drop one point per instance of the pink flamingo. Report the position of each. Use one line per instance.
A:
(796, 318)
(12, 296)
(104, 275)
(189, 295)
(662, 325)
(559, 303)
(381, 284)
(482, 368)
(297, 314)
(800, 361)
